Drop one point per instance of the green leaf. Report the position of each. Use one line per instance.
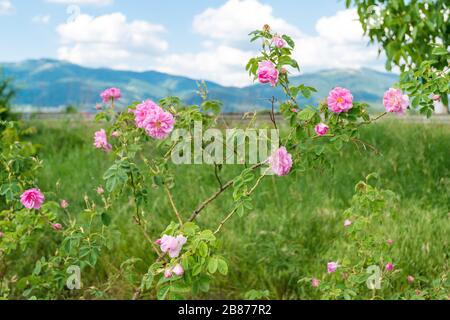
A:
(213, 265)
(289, 41)
(162, 292)
(222, 266)
(440, 51)
(306, 114)
(203, 249)
(106, 219)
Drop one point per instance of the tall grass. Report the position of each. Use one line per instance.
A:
(296, 219)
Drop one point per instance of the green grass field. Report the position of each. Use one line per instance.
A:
(296, 219)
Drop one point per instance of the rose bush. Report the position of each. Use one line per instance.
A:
(187, 256)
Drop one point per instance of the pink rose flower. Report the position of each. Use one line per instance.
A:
(172, 245)
(340, 100)
(111, 94)
(168, 273)
(389, 267)
(178, 270)
(100, 190)
(267, 73)
(64, 204)
(395, 101)
(157, 123)
(116, 134)
(143, 111)
(160, 125)
(280, 162)
(332, 267)
(32, 199)
(57, 226)
(98, 106)
(321, 129)
(347, 223)
(279, 42)
(410, 279)
(315, 282)
(390, 242)
(101, 141)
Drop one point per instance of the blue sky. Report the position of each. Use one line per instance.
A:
(197, 38)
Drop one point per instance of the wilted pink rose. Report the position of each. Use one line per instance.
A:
(390, 242)
(280, 162)
(178, 270)
(395, 101)
(389, 267)
(32, 199)
(321, 129)
(168, 273)
(57, 226)
(279, 42)
(111, 94)
(340, 100)
(410, 279)
(332, 267)
(160, 125)
(64, 204)
(116, 134)
(101, 141)
(347, 223)
(267, 73)
(315, 282)
(100, 190)
(172, 245)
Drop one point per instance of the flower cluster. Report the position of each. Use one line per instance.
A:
(156, 122)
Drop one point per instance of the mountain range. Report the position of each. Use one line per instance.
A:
(48, 85)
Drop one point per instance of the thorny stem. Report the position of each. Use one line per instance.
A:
(174, 207)
(231, 214)
(365, 144)
(272, 113)
(205, 203)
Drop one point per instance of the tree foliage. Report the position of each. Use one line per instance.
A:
(415, 35)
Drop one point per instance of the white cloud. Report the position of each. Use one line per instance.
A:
(233, 21)
(6, 7)
(339, 43)
(83, 2)
(42, 19)
(223, 64)
(110, 41)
